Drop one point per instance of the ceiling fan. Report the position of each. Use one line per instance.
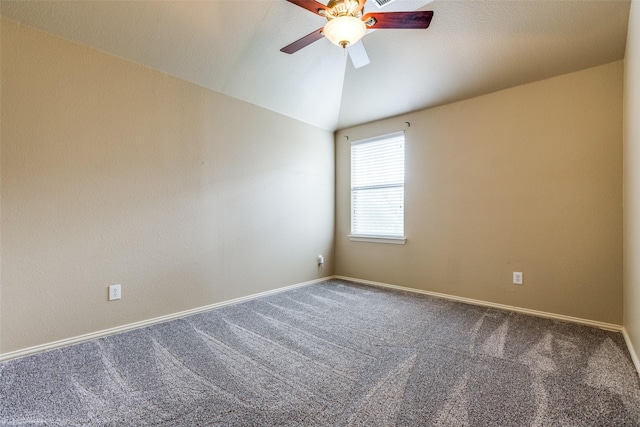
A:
(347, 25)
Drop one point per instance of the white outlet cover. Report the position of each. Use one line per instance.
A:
(115, 292)
(517, 278)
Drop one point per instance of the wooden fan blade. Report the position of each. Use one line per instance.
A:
(407, 20)
(310, 5)
(303, 42)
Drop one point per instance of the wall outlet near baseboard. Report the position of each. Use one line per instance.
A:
(320, 259)
(115, 292)
(517, 278)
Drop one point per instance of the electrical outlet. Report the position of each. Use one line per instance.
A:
(115, 292)
(320, 260)
(517, 278)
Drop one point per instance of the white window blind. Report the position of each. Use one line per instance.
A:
(377, 187)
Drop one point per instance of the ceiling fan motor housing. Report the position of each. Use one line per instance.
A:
(337, 8)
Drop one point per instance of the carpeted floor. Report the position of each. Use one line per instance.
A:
(332, 354)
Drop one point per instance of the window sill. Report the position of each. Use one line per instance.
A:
(378, 239)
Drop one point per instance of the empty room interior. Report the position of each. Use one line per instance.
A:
(198, 225)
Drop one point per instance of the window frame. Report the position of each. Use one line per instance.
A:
(378, 238)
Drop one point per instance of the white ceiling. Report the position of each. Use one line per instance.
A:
(233, 47)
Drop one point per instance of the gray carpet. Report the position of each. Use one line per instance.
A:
(332, 354)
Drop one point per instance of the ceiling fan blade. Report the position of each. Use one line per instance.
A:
(358, 55)
(310, 5)
(406, 20)
(303, 42)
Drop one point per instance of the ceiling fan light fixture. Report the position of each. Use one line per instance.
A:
(344, 30)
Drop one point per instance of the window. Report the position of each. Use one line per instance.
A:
(377, 189)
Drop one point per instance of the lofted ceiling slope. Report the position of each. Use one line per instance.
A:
(233, 47)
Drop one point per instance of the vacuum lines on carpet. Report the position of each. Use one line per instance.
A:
(332, 354)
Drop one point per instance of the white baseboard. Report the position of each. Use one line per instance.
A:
(123, 328)
(93, 335)
(632, 351)
(601, 325)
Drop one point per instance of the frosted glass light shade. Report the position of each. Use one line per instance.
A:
(344, 30)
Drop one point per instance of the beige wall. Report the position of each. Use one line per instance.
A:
(115, 173)
(0, 188)
(632, 179)
(527, 179)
